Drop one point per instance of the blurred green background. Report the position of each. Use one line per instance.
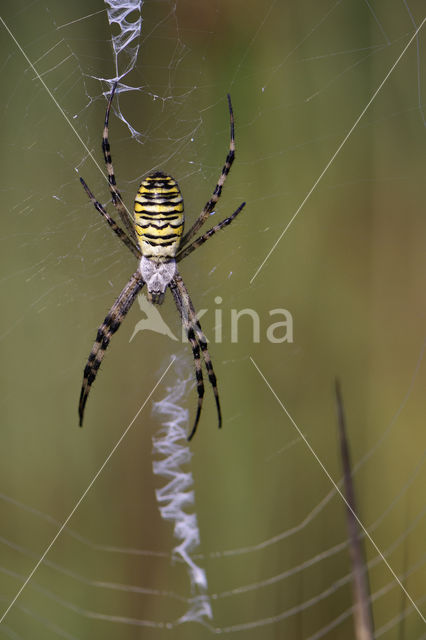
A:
(350, 270)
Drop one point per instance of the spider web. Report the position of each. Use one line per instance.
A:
(330, 159)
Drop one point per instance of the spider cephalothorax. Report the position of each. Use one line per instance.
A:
(157, 275)
(155, 236)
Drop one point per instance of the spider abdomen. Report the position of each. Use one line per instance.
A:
(159, 216)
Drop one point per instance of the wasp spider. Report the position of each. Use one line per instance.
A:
(155, 236)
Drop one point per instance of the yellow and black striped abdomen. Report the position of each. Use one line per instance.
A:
(159, 216)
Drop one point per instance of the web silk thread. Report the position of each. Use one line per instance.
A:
(177, 495)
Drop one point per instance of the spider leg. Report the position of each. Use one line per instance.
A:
(189, 311)
(195, 351)
(105, 332)
(218, 188)
(115, 194)
(202, 239)
(117, 230)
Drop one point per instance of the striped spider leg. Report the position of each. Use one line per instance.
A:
(198, 341)
(209, 206)
(107, 329)
(195, 351)
(183, 253)
(115, 194)
(117, 230)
